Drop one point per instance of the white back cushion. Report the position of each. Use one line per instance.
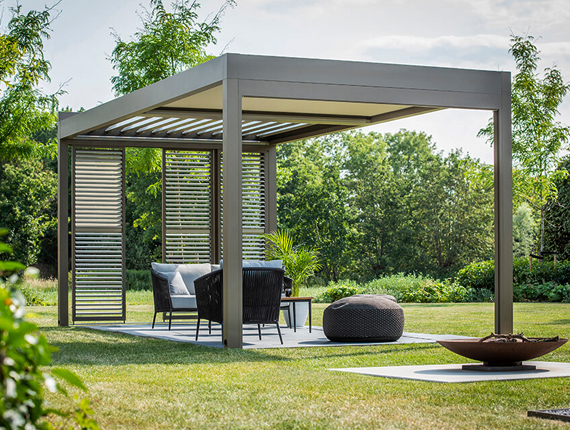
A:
(277, 264)
(190, 272)
(160, 267)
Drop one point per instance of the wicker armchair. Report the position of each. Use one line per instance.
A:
(163, 299)
(261, 297)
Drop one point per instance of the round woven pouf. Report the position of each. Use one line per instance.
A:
(364, 318)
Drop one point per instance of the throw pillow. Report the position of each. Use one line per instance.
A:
(175, 283)
(190, 272)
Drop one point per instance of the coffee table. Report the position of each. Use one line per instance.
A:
(294, 301)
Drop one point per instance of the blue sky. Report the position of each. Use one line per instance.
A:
(452, 33)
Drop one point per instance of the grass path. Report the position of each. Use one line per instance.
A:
(141, 383)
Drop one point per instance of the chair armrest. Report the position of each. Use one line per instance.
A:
(161, 292)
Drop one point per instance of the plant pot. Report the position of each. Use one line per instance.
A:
(301, 314)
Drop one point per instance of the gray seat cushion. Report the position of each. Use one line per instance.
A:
(364, 318)
(184, 302)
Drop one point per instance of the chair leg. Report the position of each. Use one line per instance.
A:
(154, 320)
(290, 320)
(170, 321)
(259, 330)
(209, 327)
(197, 328)
(279, 331)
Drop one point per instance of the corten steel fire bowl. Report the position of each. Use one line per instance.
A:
(501, 356)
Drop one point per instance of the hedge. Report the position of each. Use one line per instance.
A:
(482, 275)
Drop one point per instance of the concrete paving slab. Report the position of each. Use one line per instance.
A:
(270, 339)
(450, 373)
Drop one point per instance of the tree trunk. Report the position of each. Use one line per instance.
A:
(542, 228)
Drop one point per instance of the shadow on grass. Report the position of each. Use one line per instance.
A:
(368, 350)
(85, 346)
(558, 322)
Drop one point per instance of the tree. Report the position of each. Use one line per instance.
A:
(557, 229)
(523, 228)
(168, 43)
(24, 108)
(537, 137)
(312, 201)
(28, 205)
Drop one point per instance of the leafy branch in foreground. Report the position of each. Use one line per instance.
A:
(23, 355)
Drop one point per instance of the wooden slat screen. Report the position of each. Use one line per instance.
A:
(98, 270)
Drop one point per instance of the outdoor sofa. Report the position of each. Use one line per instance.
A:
(174, 290)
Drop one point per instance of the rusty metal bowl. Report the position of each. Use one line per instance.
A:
(500, 353)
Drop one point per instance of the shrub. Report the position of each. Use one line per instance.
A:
(478, 275)
(435, 292)
(340, 291)
(405, 288)
(479, 295)
(138, 280)
(482, 275)
(547, 292)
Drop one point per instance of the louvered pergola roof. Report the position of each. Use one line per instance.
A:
(284, 99)
(237, 103)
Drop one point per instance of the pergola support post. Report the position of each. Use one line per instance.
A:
(232, 329)
(503, 212)
(63, 233)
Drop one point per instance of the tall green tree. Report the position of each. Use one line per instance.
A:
(557, 229)
(376, 204)
(312, 201)
(171, 40)
(28, 192)
(168, 43)
(537, 136)
(24, 108)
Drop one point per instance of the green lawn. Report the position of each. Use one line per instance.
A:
(138, 383)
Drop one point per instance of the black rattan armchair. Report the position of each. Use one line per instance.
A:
(163, 300)
(261, 297)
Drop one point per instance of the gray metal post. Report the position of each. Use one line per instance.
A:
(503, 212)
(215, 193)
(232, 331)
(163, 212)
(62, 234)
(271, 190)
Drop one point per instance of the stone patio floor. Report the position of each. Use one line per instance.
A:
(186, 332)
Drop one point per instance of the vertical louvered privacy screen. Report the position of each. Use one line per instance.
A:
(187, 221)
(98, 248)
(190, 179)
(253, 196)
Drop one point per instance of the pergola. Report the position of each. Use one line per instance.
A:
(218, 125)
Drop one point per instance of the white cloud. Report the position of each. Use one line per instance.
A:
(423, 43)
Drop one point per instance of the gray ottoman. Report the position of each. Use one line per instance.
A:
(364, 318)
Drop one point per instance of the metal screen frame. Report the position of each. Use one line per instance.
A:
(98, 235)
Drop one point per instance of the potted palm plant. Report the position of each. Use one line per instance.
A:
(299, 261)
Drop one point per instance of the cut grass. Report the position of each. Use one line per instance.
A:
(141, 383)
